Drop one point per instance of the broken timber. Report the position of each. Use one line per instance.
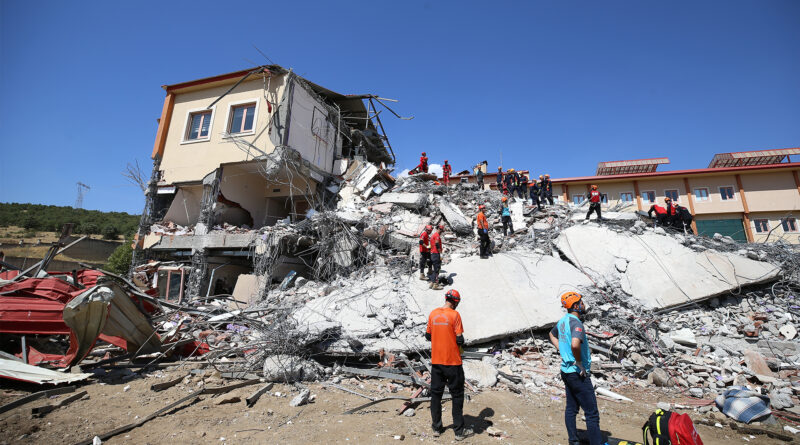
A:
(42, 410)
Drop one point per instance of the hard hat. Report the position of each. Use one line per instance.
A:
(440, 226)
(568, 299)
(445, 161)
(511, 170)
(667, 199)
(546, 176)
(453, 296)
(423, 154)
(594, 187)
(481, 207)
(499, 168)
(504, 199)
(541, 176)
(428, 228)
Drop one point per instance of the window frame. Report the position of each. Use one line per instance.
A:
(677, 197)
(655, 196)
(187, 125)
(708, 194)
(582, 199)
(767, 227)
(733, 193)
(633, 197)
(604, 198)
(229, 118)
(784, 225)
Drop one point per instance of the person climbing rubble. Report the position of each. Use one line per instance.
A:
(446, 171)
(594, 202)
(436, 257)
(446, 334)
(483, 232)
(505, 216)
(423, 163)
(684, 218)
(569, 338)
(535, 193)
(547, 189)
(661, 214)
(499, 179)
(425, 252)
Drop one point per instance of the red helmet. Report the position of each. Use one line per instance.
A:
(428, 228)
(440, 227)
(594, 187)
(453, 296)
(570, 298)
(481, 207)
(445, 161)
(423, 154)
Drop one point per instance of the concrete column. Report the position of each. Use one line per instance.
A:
(690, 197)
(638, 195)
(746, 214)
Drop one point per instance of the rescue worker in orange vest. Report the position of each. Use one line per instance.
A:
(446, 334)
(446, 170)
(536, 191)
(483, 232)
(661, 214)
(436, 257)
(424, 252)
(423, 163)
(672, 214)
(594, 202)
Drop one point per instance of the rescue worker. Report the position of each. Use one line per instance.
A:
(425, 252)
(547, 189)
(436, 257)
(510, 182)
(446, 170)
(672, 214)
(522, 189)
(661, 214)
(479, 176)
(505, 216)
(499, 179)
(535, 192)
(423, 163)
(446, 334)
(594, 202)
(569, 338)
(684, 217)
(483, 232)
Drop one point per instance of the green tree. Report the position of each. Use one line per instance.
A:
(110, 232)
(120, 259)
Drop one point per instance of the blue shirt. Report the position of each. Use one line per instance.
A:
(506, 211)
(566, 329)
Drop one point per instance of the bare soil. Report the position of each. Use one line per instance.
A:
(531, 419)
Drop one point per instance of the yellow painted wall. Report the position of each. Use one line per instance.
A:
(770, 191)
(778, 233)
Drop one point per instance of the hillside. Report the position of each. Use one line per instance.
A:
(47, 218)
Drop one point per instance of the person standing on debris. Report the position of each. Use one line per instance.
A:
(510, 182)
(594, 202)
(483, 232)
(661, 214)
(425, 252)
(522, 189)
(499, 179)
(423, 163)
(446, 334)
(446, 170)
(505, 216)
(436, 257)
(479, 176)
(534, 192)
(547, 189)
(569, 338)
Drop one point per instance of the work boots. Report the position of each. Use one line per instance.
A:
(423, 277)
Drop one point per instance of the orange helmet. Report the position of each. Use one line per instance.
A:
(504, 199)
(594, 187)
(453, 296)
(667, 199)
(568, 299)
(481, 207)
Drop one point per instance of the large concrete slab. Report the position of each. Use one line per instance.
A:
(458, 222)
(508, 293)
(407, 200)
(656, 269)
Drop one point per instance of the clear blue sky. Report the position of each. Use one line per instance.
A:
(556, 85)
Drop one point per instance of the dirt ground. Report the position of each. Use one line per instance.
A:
(532, 419)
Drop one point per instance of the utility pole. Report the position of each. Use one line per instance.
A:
(81, 190)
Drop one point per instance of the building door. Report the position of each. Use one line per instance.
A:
(733, 228)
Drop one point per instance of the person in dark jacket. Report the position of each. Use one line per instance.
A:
(684, 218)
(499, 179)
(479, 176)
(511, 181)
(535, 192)
(522, 190)
(547, 189)
(594, 202)
(661, 215)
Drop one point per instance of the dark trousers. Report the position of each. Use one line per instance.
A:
(424, 261)
(480, 184)
(549, 197)
(507, 224)
(453, 377)
(536, 200)
(485, 243)
(594, 207)
(522, 192)
(662, 219)
(580, 395)
(436, 265)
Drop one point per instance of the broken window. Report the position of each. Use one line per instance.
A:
(701, 194)
(604, 198)
(626, 197)
(649, 196)
(789, 224)
(242, 118)
(673, 195)
(726, 193)
(762, 225)
(199, 125)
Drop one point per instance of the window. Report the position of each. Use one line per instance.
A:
(762, 225)
(649, 196)
(701, 194)
(789, 224)
(672, 194)
(242, 118)
(626, 197)
(726, 193)
(199, 125)
(604, 198)
(578, 199)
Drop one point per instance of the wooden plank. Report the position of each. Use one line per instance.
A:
(42, 410)
(36, 396)
(250, 401)
(168, 384)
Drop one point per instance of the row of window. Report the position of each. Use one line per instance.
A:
(241, 119)
(701, 194)
(788, 225)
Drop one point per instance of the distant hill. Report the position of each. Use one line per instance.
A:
(39, 217)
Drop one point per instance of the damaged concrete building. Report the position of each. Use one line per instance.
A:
(239, 152)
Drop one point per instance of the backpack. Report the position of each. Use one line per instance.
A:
(670, 428)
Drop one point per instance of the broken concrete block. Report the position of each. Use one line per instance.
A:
(757, 364)
(289, 368)
(407, 200)
(481, 373)
(684, 337)
(659, 377)
(458, 222)
(300, 399)
(788, 331)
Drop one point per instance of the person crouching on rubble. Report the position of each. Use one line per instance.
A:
(436, 257)
(424, 252)
(569, 338)
(505, 216)
(446, 334)
(483, 232)
(661, 214)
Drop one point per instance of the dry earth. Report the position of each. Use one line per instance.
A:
(535, 419)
